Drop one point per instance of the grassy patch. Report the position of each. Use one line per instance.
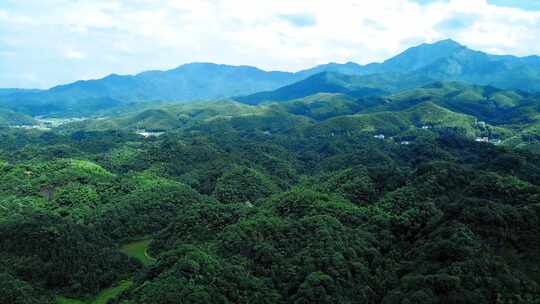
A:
(112, 292)
(62, 300)
(102, 298)
(137, 250)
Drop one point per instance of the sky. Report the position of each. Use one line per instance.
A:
(49, 42)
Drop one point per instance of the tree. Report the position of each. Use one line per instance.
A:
(241, 184)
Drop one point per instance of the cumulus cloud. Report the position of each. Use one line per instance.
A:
(128, 36)
(74, 55)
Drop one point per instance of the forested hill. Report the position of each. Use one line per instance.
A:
(504, 117)
(329, 198)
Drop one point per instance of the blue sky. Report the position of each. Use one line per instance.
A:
(45, 43)
(521, 4)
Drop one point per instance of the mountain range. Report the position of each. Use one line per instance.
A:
(445, 60)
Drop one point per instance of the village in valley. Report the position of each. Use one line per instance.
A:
(481, 126)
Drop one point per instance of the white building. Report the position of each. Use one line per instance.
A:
(146, 134)
(482, 139)
(481, 124)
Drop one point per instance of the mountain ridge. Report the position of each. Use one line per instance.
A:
(445, 60)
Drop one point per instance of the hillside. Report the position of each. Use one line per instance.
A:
(484, 102)
(505, 117)
(321, 106)
(327, 82)
(234, 196)
(161, 116)
(10, 118)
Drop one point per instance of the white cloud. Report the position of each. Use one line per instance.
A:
(126, 36)
(74, 55)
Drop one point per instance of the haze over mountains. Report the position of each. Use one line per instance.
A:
(444, 60)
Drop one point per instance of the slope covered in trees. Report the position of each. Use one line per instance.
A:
(509, 118)
(290, 202)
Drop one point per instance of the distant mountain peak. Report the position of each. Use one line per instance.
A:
(447, 42)
(423, 55)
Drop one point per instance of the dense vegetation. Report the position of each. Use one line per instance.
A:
(293, 202)
(509, 118)
(355, 184)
